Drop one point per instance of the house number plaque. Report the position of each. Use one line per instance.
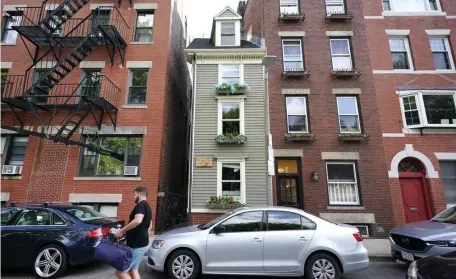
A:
(203, 162)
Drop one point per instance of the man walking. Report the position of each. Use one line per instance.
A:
(137, 231)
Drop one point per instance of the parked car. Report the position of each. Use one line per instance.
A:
(434, 267)
(260, 241)
(48, 238)
(427, 238)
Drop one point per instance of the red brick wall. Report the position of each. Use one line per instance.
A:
(201, 218)
(50, 168)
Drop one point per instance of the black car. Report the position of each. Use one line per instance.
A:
(435, 267)
(48, 237)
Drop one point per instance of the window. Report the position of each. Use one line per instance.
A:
(109, 210)
(91, 85)
(340, 55)
(230, 73)
(54, 22)
(95, 164)
(289, 7)
(144, 27)
(100, 17)
(137, 87)
(283, 221)
(335, 7)
(292, 55)
(411, 5)
(440, 48)
(231, 179)
(228, 33)
(231, 117)
(244, 222)
(342, 183)
(427, 108)
(347, 108)
(13, 150)
(9, 215)
(84, 213)
(400, 51)
(35, 217)
(297, 115)
(448, 170)
(9, 35)
(42, 90)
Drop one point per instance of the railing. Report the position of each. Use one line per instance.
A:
(63, 94)
(171, 212)
(343, 193)
(32, 16)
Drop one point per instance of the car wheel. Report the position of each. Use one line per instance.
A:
(50, 262)
(322, 266)
(183, 264)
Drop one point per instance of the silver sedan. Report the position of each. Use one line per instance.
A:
(260, 241)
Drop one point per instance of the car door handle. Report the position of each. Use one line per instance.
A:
(256, 239)
(302, 238)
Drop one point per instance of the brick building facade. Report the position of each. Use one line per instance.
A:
(149, 91)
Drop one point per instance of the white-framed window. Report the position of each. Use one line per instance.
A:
(13, 18)
(144, 26)
(297, 121)
(137, 86)
(231, 179)
(292, 55)
(400, 52)
(13, 150)
(228, 33)
(107, 209)
(289, 7)
(335, 7)
(341, 55)
(441, 53)
(231, 73)
(411, 5)
(448, 171)
(342, 183)
(428, 108)
(347, 109)
(230, 116)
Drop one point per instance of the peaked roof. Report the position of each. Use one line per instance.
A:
(230, 10)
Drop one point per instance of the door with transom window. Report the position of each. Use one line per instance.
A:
(288, 183)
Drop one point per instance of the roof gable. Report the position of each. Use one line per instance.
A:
(228, 12)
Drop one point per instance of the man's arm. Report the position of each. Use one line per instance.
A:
(133, 224)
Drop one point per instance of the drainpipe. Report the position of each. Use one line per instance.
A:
(190, 166)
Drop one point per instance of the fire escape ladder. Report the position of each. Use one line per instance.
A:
(61, 14)
(71, 124)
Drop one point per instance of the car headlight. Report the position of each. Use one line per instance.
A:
(442, 243)
(412, 272)
(156, 244)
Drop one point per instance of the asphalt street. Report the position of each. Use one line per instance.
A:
(377, 270)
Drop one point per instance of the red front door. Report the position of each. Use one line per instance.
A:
(413, 198)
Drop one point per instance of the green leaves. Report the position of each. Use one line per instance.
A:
(231, 138)
(231, 89)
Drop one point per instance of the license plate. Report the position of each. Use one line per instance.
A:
(407, 256)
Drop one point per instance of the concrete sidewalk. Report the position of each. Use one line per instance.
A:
(378, 248)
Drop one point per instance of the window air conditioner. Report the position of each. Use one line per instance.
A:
(130, 170)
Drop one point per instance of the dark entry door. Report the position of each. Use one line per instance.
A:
(288, 192)
(288, 183)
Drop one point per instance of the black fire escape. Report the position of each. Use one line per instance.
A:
(58, 42)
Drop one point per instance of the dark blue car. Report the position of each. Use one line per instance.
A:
(48, 238)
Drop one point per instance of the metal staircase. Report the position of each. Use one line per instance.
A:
(61, 43)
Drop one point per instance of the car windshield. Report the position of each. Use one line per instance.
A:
(84, 213)
(447, 216)
(216, 220)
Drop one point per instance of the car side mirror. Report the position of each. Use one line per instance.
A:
(219, 229)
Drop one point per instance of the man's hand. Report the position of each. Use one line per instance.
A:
(119, 233)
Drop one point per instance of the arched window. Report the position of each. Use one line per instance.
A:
(410, 165)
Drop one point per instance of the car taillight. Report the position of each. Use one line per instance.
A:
(358, 236)
(98, 232)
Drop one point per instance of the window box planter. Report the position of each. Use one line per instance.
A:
(354, 137)
(340, 73)
(224, 202)
(230, 139)
(291, 17)
(231, 89)
(306, 137)
(295, 73)
(339, 16)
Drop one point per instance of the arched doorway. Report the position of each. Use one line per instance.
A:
(412, 177)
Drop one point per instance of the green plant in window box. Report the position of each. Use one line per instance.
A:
(223, 202)
(231, 89)
(291, 16)
(231, 138)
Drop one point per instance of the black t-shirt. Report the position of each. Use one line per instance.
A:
(139, 236)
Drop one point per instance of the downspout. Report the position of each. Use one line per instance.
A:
(190, 184)
(268, 135)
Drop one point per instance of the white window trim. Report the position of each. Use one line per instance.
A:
(421, 110)
(426, 3)
(220, 163)
(297, 6)
(342, 4)
(129, 83)
(305, 114)
(234, 24)
(448, 51)
(357, 113)
(220, 72)
(409, 54)
(342, 55)
(239, 101)
(300, 49)
(358, 202)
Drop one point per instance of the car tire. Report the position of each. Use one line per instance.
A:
(50, 262)
(322, 262)
(183, 261)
